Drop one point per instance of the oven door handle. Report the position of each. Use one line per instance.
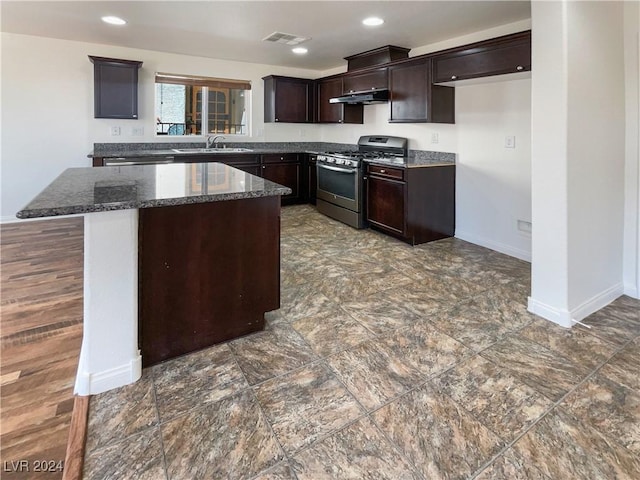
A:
(336, 169)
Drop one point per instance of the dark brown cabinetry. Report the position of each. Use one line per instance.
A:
(385, 199)
(377, 56)
(311, 181)
(372, 80)
(416, 205)
(115, 88)
(414, 99)
(508, 54)
(335, 112)
(288, 99)
(285, 169)
(207, 273)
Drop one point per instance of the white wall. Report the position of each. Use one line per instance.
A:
(578, 158)
(47, 107)
(493, 183)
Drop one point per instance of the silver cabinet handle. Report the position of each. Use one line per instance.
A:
(383, 171)
(519, 67)
(453, 77)
(336, 169)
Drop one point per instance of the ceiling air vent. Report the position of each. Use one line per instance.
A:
(286, 38)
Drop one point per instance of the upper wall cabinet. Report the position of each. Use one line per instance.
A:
(360, 82)
(414, 99)
(115, 88)
(336, 112)
(377, 56)
(288, 99)
(508, 54)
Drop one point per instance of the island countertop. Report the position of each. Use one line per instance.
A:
(87, 190)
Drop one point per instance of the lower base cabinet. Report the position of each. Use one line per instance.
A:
(285, 169)
(201, 284)
(416, 205)
(385, 204)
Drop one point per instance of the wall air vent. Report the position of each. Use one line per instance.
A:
(286, 38)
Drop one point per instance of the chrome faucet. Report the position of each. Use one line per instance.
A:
(212, 139)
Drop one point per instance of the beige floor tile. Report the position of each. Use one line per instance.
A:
(229, 439)
(265, 355)
(305, 405)
(196, 379)
(358, 451)
(437, 435)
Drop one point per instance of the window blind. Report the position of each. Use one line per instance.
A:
(176, 79)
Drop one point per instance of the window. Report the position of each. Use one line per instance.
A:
(188, 105)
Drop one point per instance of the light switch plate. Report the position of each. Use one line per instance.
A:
(510, 141)
(137, 131)
(115, 131)
(435, 138)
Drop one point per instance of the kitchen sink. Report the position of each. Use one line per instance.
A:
(211, 150)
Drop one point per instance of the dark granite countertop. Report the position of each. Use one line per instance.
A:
(86, 190)
(134, 150)
(408, 162)
(416, 158)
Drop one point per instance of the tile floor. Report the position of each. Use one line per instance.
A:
(386, 361)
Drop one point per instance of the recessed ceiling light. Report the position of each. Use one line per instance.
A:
(372, 21)
(111, 20)
(299, 50)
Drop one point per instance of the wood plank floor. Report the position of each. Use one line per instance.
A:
(41, 266)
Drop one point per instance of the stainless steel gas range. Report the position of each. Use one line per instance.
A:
(340, 177)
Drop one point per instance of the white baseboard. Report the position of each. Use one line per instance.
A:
(632, 290)
(94, 383)
(567, 318)
(598, 301)
(493, 245)
(559, 316)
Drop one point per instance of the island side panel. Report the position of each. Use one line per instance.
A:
(109, 357)
(208, 272)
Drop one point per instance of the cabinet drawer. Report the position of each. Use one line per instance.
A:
(280, 157)
(395, 173)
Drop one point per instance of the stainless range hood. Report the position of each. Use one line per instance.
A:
(367, 97)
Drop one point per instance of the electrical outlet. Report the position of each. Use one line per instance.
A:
(510, 141)
(115, 131)
(137, 131)
(302, 133)
(435, 137)
(524, 226)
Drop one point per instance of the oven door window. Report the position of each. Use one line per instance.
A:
(338, 181)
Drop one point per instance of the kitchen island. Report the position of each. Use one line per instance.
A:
(176, 258)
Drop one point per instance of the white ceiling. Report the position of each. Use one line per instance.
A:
(234, 29)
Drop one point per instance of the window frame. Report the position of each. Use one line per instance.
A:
(206, 84)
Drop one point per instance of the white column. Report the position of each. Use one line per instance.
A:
(632, 146)
(110, 356)
(577, 160)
